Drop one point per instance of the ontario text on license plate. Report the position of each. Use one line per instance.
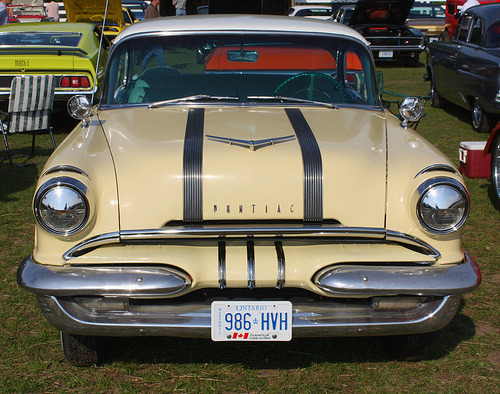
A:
(251, 321)
(385, 54)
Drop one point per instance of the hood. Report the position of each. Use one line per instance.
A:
(94, 10)
(381, 12)
(323, 165)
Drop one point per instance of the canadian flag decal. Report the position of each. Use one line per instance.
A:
(240, 336)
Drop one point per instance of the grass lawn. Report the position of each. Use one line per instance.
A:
(466, 357)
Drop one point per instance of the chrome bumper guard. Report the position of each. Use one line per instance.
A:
(58, 290)
(436, 280)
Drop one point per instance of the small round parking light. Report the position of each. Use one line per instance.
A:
(79, 107)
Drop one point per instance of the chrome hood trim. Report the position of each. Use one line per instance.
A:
(317, 233)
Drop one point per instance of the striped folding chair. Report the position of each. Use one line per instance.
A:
(30, 107)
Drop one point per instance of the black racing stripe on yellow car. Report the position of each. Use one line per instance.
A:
(313, 166)
(193, 167)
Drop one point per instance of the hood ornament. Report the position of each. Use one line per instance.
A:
(252, 144)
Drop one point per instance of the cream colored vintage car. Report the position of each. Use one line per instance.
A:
(240, 180)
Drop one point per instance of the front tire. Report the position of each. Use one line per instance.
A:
(495, 168)
(81, 350)
(413, 347)
(480, 119)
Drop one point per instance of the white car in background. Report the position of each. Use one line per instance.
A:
(318, 11)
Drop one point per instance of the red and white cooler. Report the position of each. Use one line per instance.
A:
(472, 162)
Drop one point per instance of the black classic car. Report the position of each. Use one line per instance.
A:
(382, 23)
(465, 71)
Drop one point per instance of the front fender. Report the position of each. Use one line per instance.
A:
(487, 148)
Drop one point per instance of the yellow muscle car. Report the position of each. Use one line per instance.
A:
(72, 52)
(240, 180)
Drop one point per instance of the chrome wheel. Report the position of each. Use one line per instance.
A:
(480, 121)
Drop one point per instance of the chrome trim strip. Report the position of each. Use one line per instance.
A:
(193, 166)
(397, 48)
(393, 280)
(408, 239)
(437, 167)
(318, 232)
(251, 264)
(65, 168)
(328, 318)
(91, 243)
(252, 145)
(222, 265)
(74, 92)
(313, 166)
(243, 230)
(123, 281)
(280, 282)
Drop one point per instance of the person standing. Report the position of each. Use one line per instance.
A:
(52, 10)
(152, 10)
(4, 12)
(180, 7)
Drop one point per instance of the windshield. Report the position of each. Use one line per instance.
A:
(240, 67)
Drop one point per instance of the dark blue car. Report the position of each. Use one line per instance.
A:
(465, 70)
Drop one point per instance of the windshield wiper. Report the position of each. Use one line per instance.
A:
(293, 99)
(196, 97)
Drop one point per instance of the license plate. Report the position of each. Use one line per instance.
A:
(251, 321)
(385, 54)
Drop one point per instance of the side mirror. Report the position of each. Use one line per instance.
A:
(80, 108)
(411, 109)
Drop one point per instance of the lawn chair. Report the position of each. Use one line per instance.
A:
(30, 107)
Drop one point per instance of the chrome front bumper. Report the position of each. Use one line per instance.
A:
(148, 301)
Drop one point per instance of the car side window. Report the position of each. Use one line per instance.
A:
(476, 33)
(492, 36)
(463, 29)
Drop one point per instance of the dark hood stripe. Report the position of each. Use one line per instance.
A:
(193, 166)
(313, 166)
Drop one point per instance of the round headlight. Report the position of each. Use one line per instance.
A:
(443, 206)
(61, 206)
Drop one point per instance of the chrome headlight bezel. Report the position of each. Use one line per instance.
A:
(449, 189)
(73, 188)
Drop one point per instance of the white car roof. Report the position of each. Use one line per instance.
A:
(227, 23)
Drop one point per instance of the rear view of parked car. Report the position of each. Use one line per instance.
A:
(382, 23)
(465, 70)
(69, 51)
(429, 18)
(319, 12)
(240, 180)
